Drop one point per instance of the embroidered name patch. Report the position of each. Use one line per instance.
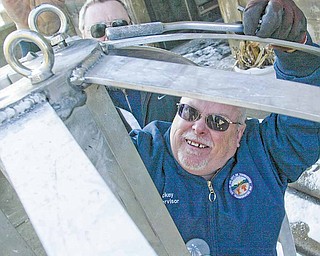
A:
(168, 198)
(240, 185)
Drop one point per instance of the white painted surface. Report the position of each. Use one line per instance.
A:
(70, 206)
(304, 210)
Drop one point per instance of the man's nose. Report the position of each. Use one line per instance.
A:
(200, 126)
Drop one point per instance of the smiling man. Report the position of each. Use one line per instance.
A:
(202, 150)
(226, 176)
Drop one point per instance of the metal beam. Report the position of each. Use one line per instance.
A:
(128, 175)
(253, 92)
(71, 208)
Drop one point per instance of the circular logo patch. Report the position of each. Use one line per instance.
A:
(240, 185)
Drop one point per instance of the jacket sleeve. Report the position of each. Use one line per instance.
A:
(298, 66)
(293, 144)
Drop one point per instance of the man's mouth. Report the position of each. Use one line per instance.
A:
(196, 144)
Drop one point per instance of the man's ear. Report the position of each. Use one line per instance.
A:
(241, 129)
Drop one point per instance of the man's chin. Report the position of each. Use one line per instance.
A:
(193, 167)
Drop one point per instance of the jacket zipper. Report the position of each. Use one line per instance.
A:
(212, 195)
(212, 218)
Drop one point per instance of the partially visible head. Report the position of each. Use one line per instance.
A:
(101, 11)
(201, 150)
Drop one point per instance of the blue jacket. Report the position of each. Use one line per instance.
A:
(241, 211)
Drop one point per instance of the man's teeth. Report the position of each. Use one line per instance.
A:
(192, 143)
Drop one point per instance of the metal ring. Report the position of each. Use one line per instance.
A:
(34, 14)
(45, 69)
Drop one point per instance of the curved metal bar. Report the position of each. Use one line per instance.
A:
(202, 25)
(45, 69)
(34, 14)
(157, 28)
(114, 44)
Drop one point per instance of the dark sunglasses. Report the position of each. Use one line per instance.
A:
(99, 30)
(214, 122)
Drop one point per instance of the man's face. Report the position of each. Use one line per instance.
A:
(199, 149)
(103, 13)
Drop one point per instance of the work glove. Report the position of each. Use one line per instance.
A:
(279, 19)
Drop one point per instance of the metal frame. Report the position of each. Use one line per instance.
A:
(57, 164)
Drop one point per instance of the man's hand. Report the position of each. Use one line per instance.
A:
(280, 19)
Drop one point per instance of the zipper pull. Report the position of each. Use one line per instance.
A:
(212, 194)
